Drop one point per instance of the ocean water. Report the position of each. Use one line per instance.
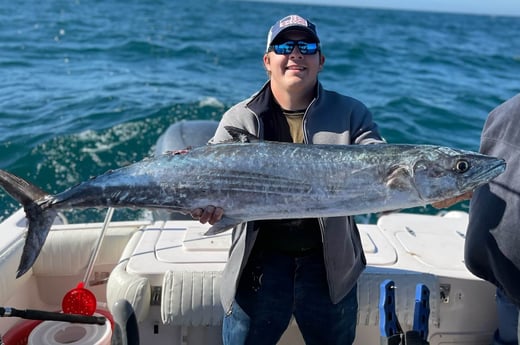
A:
(88, 86)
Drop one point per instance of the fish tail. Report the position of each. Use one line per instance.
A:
(39, 216)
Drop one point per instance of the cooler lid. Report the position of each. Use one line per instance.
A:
(434, 241)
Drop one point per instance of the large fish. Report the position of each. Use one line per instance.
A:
(265, 180)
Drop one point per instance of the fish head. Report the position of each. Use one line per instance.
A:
(441, 173)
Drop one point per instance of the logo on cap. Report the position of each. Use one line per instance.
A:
(292, 20)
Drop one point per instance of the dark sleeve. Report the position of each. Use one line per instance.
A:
(493, 235)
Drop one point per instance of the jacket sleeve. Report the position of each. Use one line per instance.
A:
(363, 128)
(492, 237)
(237, 116)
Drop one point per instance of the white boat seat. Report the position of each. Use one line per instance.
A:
(191, 298)
(180, 265)
(132, 288)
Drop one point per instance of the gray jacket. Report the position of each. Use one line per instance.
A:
(493, 234)
(331, 118)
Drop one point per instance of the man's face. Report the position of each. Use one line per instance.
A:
(293, 72)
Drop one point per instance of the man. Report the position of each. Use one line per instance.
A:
(493, 235)
(302, 267)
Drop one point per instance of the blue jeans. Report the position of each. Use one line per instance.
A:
(508, 323)
(273, 288)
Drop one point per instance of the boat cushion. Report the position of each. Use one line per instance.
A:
(191, 298)
(133, 288)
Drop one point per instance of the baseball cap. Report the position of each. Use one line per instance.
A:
(293, 22)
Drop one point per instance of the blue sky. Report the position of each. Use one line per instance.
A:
(492, 7)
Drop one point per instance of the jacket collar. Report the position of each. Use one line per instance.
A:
(261, 101)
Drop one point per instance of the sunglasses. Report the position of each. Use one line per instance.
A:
(286, 48)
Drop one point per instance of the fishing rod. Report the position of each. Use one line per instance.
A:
(52, 316)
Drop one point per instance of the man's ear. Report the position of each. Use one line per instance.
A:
(267, 62)
(322, 61)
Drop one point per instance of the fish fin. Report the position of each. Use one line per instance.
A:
(240, 135)
(40, 217)
(222, 225)
(21, 190)
(399, 179)
(40, 222)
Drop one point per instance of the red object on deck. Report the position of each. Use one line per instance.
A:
(79, 301)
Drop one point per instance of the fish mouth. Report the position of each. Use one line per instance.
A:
(489, 174)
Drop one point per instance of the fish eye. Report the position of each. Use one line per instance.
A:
(462, 166)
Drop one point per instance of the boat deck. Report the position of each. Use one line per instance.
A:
(183, 268)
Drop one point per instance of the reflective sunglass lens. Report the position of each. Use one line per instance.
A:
(284, 48)
(307, 48)
(287, 47)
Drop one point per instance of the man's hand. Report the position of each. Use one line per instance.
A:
(210, 214)
(449, 202)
